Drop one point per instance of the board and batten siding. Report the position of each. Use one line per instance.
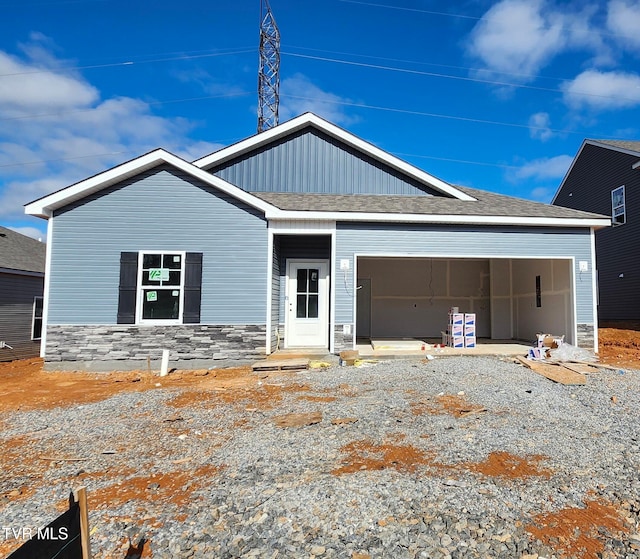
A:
(17, 292)
(461, 242)
(588, 187)
(164, 210)
(312, 162)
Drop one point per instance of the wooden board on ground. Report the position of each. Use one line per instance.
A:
(284, 365)
(556, 373)
(582, 368)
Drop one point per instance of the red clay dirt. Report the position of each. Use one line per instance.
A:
(576, 533)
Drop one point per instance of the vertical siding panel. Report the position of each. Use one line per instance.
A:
(311, 161)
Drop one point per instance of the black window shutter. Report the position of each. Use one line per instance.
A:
(192, 288)
(127, 289)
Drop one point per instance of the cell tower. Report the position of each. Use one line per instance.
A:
(269, 70)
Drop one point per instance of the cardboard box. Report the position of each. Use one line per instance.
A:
(456, 318)
(470, 341)
(549, 340)
(456, 330)
(470, 319)
(456, 341)
(470, 331)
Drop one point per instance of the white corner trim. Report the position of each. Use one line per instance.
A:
(636, 165)
(301, 121)
(46, 291)
(45, 206)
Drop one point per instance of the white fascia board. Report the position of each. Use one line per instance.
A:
(449, 219)
(46, 205)
(361, 145)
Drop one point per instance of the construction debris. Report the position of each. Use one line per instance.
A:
(555, 372)
(284, 365)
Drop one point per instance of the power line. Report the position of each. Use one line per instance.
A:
(433, 115)
(449, 76)
(102, 108)
(128, 63)
(461, 16)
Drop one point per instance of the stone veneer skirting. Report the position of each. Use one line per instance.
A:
(586, 336)
(184, 341)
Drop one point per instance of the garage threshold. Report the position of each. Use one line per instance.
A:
(413, 348)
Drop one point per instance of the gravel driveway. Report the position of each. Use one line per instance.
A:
(455, 457)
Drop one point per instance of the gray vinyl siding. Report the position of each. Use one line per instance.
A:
(162, 210)
(17, 293)
(275, 294)
(588, 187)
(313, 162)
(460, 241)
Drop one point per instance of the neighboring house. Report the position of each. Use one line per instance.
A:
(22, 262)
(605, 178)
(301, 236)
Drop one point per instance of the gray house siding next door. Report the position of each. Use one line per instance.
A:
(588, 187)
(17, 294)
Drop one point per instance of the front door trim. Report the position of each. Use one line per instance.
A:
(303, 331)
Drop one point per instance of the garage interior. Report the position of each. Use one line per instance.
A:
(408, 298)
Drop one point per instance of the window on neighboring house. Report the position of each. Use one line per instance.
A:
(618, 211)
(159, 287)
(36, 324)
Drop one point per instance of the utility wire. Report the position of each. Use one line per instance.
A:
(128, 63)
(460, 16)
(102, 108)
(449, 76)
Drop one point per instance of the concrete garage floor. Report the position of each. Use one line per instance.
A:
(413, 348)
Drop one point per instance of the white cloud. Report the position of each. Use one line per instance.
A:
(542, 194)
(539, 126)
(603, 90)
(623, 19)
(25, 88)
(32, 232)
(544, 169)
(520, 37)
(515, 36)
(299, 95)
(80, 134)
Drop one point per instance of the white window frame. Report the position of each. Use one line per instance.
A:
(140, 288)
(623, 213)
(33, 317)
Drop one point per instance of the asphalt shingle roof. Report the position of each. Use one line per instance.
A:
(624, 144)
(486, 204)
(19, 252)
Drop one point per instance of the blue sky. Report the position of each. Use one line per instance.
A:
(492, 95)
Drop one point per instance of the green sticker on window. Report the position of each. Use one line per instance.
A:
(158, 274)
(152, 296)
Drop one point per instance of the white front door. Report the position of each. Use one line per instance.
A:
(307, 304)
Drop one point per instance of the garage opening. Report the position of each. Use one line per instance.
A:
(408, 298)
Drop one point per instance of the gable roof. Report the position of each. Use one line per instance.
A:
(45, 206)
(310, 120)
(457, 205)
(626, 145)
(21, 253)
(630, 147)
